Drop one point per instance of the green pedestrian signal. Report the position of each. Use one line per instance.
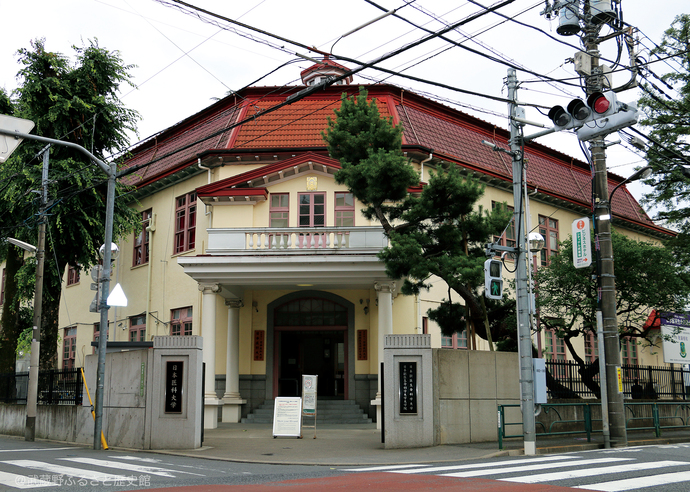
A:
(493, 279)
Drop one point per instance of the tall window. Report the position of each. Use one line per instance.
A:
(185, 222)
(280, 208)
(591, 346)
(629, 347)
(555, 346)
(548, 228)
(2, 291)
(69, 346)
(457, 341)
(141, 240)
(344, 209)
(72, 275)
(312, 209)
(137, 328)
(181, 322)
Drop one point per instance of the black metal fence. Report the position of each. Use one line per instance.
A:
(54, 387)
(639, 382)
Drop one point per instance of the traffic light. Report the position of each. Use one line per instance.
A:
(608, 116)
(602, 114)
(493, 279)
(574, 116)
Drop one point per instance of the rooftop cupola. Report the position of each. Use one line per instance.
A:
(326, 68)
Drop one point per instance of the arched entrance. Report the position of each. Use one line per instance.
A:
(310, 332)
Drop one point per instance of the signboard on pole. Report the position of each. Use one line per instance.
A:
(675, 329)
(8, 143)
(309, 395)
(582, 250)
(287, 417)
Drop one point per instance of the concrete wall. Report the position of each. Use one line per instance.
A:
(468, 386)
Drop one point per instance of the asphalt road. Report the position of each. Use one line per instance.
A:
(57, 467)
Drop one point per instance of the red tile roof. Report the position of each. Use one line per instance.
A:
(451, 134)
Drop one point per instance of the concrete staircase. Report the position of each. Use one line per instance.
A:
(327, 412)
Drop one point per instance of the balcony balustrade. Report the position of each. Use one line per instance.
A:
(296, 240)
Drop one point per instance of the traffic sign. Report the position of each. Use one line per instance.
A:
(582, 250)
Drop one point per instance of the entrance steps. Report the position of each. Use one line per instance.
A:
(327, 412)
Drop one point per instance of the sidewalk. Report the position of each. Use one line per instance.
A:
(356, 445)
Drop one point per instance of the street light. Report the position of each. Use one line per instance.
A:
(643, 173)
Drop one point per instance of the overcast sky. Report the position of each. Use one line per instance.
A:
(182, 63)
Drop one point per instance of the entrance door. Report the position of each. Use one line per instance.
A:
(312, 352)
(310, 338)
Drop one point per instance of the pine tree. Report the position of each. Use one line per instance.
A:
(439, 232)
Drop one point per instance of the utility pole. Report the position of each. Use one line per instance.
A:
(604, 251)
(32, 394)
(523, 319)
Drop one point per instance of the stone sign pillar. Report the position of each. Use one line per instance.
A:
(408, 391)
(175, 398)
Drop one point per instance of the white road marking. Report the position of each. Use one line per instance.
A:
(539, 466)
(23, 482)
(466, 466)
(152, 470)
(592, 472)
(65, 470)
(639, 482)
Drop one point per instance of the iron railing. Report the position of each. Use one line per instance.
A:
(649, 416)
(639, 382)
(63, 387)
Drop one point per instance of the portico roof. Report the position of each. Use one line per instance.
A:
(326, 271)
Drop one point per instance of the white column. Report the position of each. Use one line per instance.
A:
(208, 333)
(232, 402)
(384, 294)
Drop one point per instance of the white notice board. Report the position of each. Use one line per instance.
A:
(287, 417)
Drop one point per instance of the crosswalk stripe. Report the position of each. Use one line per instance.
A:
(153, 470)
(539, 466)
(66, 470)
(486, 465)
(23, 482)
(591, 472)
(381, 468)
(639, 482)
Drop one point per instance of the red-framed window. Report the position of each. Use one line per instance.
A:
(69, 347)
(312, 209)
(181, 321)
(344, 209)
(554, 346)
(141, 240)
(185, 222)
(548, 228)
(629, 351)
(279, 210)
(73, 274)
(591, 346)
(457, 341)
(137, 328)
(425, 325)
